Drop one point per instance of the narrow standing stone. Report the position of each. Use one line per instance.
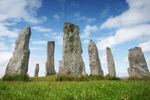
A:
(50, 58)
(94, 61)
(138, 66)
(18, 64)
(36, 70)
(110, 62)
(73, 64)
(60, 64)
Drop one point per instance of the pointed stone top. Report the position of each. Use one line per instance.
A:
(26, 30)
(91, 44)
(107, 48)
(91, 41)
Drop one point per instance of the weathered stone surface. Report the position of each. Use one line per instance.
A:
(18, 64)
(94, 61)
(138, 66)
(36, 70)
(50, 58)
(110, 63)
(60, 64)
(73, 64)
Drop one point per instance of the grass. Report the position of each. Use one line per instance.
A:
(48, 88)
(16, 78)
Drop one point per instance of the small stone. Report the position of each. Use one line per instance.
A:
(138, 66)
(50, 58)
(111, 64)
(18, 64)
(36, 70)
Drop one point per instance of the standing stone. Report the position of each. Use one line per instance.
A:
(138, 66)
(73, 64)
(18, 64)
(110, 62)
(94, 61)
(36, 70)
(60, 64)
(50, 58)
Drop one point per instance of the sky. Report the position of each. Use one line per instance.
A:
(118, 24)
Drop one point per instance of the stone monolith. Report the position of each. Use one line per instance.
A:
(50, 58)
(94, 61)
(60, 64)
(36, 70)
(138, 66)
(110, 63)
(73, 64)
(18, 64)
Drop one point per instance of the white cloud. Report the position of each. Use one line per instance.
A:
(103, 59)
(88, 29)
(124, 34)
(145, 46)
(138, 13)
(13, 46)
(39, 42)
(4, 59)
(125, 59)
(22, 9)
(86, 41)
(37, 48)
(56, 17)
(5, 32)
(41, 29)
(59, 39)
(148, 60)
(79, 18)
(3, 46)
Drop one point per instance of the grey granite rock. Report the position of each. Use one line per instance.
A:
(50, 58)
(18, 64)
(73, 64)
(94, 61)
(110, 63)
(138, 66)
(36, 70)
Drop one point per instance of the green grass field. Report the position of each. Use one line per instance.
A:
(46, 88)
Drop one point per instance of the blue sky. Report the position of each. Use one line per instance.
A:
(118, 24)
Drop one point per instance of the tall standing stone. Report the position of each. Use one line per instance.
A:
(50, 58)
(73, 64)
(18, 64)
(94, 61)
(36, 70)
(138, 66)
(110, 62)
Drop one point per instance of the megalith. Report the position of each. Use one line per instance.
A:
(94, 61)
(60, 64)
(50, 58)
(18, 64)
(138, 66)
(110, 63)
(73, 64)
(36, 70)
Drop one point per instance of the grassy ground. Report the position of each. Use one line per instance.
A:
(46, 88)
